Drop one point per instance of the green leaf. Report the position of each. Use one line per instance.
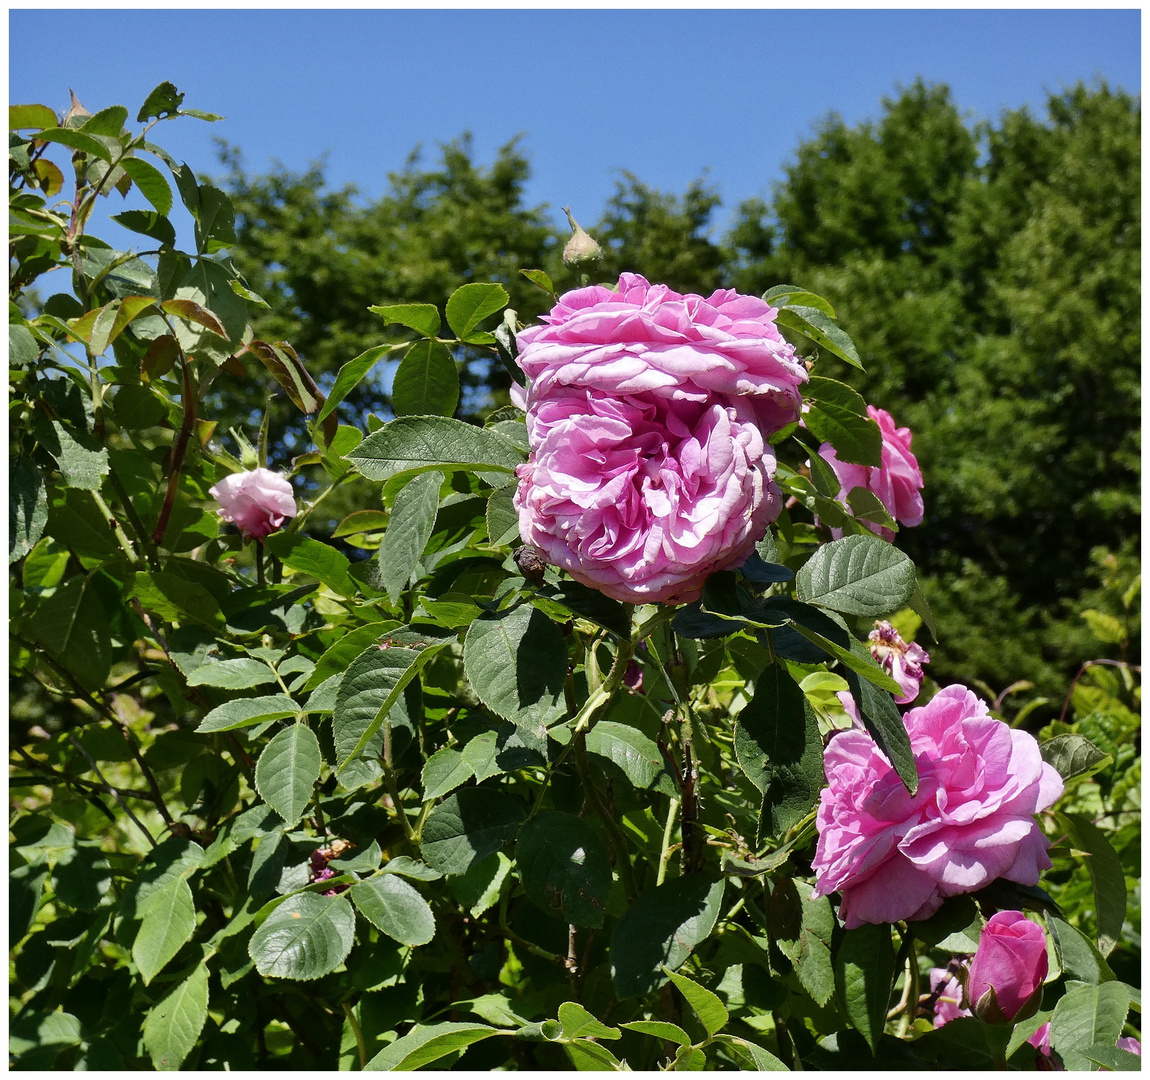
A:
(27, 507)
(422, 318)
(369, 689)
(76, 140)
(1073, 755)
(662, 928)
(564, 867)
(811, 955)
(350, 376)
(541, 279)
(1086, 1016)
(304, 938)
(409, 528)
(783, 295)
(1078, 955)
(25, 887)
(109, 121)
(578, 1023)
(589, 1056)
(467, 827)
(867, 505)
(590, 604)
(425, 1045)
(82, 876)
(470, 304)
(426, 382)
(73, 627)
(516, 661)
(1106, 877)
(313, 557)
(414, 444)
(81, 466)
(502, 517)
(632, 753)
(287, 771)
(779, 748)
(855, 438)
(22, 346)
(396, 908)
(244, 712)
(173, 1026)
(858, 575)
(162, 101)
(659, 1029)
(23, 117)
(151, 183)
(1113, 1059)
(239, 674)
(709, 1008)
(344, 650)
(444, 771)
(818, 328)
(763, 1060)
(149, 223)
(168, 918)
(864, 970)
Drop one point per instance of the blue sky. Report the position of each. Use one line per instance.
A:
(666, 94)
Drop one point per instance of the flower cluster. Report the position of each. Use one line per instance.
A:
(258, 501)
(897, 856)
(897, 481)
(648, 416)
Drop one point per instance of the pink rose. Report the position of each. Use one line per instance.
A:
(647, 416)
(259, 501)
(897, 481)
(1007, 971)
(902, 662)
(896, 856)
(947, 991)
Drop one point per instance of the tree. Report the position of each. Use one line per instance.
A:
(321, 258)
(991, 278)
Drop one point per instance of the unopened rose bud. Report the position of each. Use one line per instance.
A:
(581, 250)
(1006, 974)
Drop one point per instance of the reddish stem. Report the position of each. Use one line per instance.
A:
(178, 453)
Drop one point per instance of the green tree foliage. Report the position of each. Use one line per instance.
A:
(990, 277)
(321, 258)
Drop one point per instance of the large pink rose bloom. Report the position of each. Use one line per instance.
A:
(896, 856)
(259, 501)
(897, 481)
(647, 417)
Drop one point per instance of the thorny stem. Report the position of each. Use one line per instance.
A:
(101, 707)
(115, 794)
(178, 452)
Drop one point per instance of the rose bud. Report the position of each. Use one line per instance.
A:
(1006, 974)
(581, 250)
(259, 501)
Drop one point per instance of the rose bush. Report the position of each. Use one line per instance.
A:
(647, 415)
(893, 855)
(897, 481)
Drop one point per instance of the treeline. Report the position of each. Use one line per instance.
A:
(988, 273)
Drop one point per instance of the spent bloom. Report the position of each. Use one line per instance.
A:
(259, 501)
(893, 855)
(897, 481)
(1008, 969)
(902, 662)
(647, 415)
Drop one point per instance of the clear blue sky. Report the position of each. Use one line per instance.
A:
(666, 94)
